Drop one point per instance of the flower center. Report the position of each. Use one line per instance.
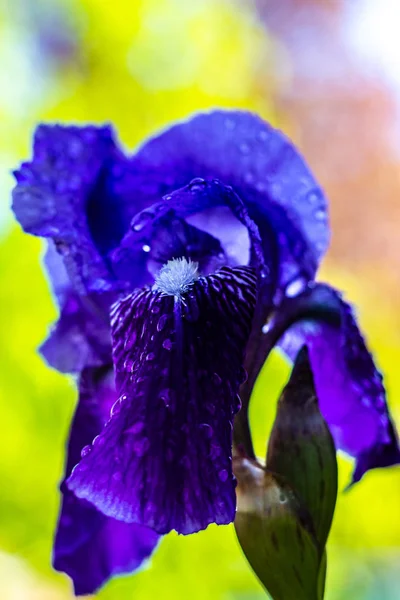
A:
(175, 277)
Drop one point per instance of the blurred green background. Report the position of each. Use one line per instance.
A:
(302, 65)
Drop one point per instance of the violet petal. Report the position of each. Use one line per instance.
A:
(164, 458)
(52, 197)
(89, 546)
(349, 386)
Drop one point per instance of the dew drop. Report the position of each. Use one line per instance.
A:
(313, 198)
(216, 379)
(117, 476)
(223, 475)
(167, 344)
(244, 148)
(162, 322)
(265, 328)
(146, 248)
(155, 309)
(263, 135)
(242, 375)
(207, 429)
(130, 341)
(116, 408)
(150, 356)
(320, 214)
(98, 441)
(85, 451)
(165, 396)
(295, 287)
(141, 220)
(197, 184)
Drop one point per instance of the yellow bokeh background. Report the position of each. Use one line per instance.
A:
(141, 65)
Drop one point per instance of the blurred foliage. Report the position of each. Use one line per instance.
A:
(140, 66)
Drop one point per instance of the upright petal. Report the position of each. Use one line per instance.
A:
(89, 546)
(349, 386)
(200, 221)
(262, 166)
(53, 197)
(164, 458)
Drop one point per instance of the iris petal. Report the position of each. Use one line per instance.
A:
(349, 386)
(89, 546)
(198, 196)
(164, 458)
(262, 166)
(52, 197)
(81, 336)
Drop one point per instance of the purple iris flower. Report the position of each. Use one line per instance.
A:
(177, 269)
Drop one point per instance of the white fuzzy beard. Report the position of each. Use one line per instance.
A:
(175, 278)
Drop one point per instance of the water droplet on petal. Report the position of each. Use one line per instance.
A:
(130, 341)
(216, 379)
(167, 344)
(265, 328)
(263, 135)
(244, 148)
(141, 220)
(295, 287)
(146, 248)
(313, 198)
(207, 429)
(320, 215)
(165, 396)
(98, 441)
(223, 475)
(150, 356)
(162, 322)
(197, 184)
(155, 309)
(116, 408)
(85, 451)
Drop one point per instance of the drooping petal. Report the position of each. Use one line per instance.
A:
(265, 170)
(89, 546)
(57, 196)
(81, 336)
(349, 386)
(164, 458)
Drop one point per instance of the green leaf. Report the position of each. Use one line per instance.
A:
(301, 448)
(275, 533)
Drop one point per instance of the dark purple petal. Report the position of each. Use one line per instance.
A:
(56, 198)
(349, 386)
(81, 336)
(264, 168)
(164, 458)
(89, 546)
(177, 225)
